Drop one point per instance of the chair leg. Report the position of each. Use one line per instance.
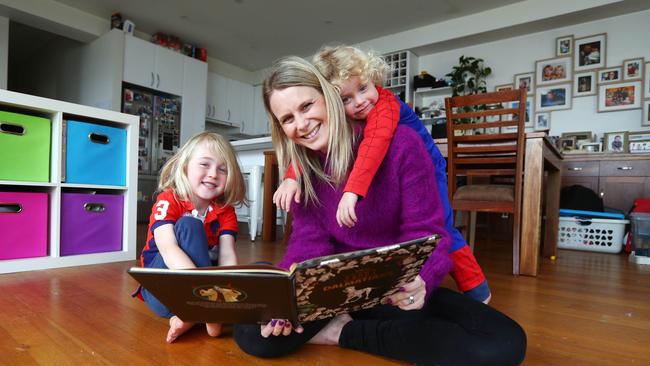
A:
(254, 187)
(516, 236)
(472, 229)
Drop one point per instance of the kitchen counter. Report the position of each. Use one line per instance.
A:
(259, 143)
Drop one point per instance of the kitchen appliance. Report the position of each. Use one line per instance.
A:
(159, 137)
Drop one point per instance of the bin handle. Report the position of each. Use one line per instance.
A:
(94, 207)
(10, 208)
(10, 128)
(583, 221)
(98, 138)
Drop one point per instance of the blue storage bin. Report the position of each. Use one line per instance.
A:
(95, 154)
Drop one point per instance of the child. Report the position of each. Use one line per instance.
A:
(193, 213)
(356, 74)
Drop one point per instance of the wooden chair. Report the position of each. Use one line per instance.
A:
(486, 138)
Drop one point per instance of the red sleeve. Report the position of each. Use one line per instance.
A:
(290, 173)
(377, 135)
(228, 222)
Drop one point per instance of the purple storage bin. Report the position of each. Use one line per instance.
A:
(23, 225)
(91, 223)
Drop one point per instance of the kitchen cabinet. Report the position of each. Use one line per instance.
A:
(229, 102)
(260, 118)
(618, 178)
(152, 66)
(195, 82)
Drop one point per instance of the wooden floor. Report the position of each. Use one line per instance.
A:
(583, 309)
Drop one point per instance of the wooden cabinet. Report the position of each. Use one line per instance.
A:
(152, 66)
(619, 179)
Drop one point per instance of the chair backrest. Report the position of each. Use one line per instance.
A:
(485, 134)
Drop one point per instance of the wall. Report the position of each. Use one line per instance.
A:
(626, 38)
(4, 51)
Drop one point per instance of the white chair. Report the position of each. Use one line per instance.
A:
(253, 213)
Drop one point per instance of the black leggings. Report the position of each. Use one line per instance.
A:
(451, 329)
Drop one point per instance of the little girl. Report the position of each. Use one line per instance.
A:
(193, 217)
(358, 76)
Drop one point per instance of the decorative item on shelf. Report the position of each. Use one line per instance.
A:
(591, 147)
(116, 21)
(579, 139)
(616, 142)
(175, 44)
(639, 142)
(129, 27)
(468, 77)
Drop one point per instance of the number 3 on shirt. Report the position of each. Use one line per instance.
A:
(161, 210)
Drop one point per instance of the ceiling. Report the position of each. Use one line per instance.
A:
(252, 34)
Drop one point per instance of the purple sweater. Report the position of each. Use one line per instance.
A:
(402, 204)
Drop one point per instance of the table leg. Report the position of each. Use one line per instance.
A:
(553, 186)
(531, 207)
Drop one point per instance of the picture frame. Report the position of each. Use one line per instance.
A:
(553, 71)
(566, 144)
(564, 46)
(646, 80)
(584, 136)
(638, 142)
(615, 142)
(584, 84)
(503, 87)
(542, 121)
(592, 147)
(645, 114)
(589, 52)
(525, 80)
(553, 97)
(530, 105)
(619, 96)
(610, 75)
(633, 68)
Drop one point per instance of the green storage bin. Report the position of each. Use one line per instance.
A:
(24, 147)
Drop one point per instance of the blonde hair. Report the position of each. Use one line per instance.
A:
(174, 173)
(295, 71)
(339, 63)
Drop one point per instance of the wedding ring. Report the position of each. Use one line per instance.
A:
(411, 299)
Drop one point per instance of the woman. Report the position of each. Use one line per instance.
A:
(424, 325)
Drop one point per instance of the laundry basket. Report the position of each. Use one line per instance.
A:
(591, 234)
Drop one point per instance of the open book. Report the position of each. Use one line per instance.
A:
(315, 289)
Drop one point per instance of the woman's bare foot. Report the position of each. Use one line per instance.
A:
(332, 331)
(214, 329)
(176, 328)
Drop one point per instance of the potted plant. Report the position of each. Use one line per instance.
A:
(468, 77)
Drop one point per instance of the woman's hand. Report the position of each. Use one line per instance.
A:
(345, 213)
(278, 327)
(411, 296)
(288, 190)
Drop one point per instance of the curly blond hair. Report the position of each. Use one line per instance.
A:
(339, 63)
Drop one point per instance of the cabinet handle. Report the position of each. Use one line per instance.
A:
(243, 126)
(625, 168)
(575, 169)
(228, 118)
(602, 194)
(151, 79)
(158, 78)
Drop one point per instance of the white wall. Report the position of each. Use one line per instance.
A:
(4, 51)
(627, 37)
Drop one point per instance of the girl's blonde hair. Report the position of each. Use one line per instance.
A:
(339, 63)
(174, 173)
(295, 71)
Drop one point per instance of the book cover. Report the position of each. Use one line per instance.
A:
(316, 289)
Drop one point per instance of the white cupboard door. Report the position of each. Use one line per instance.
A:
(235, 92)
(139, 62)
(260, 117)
(220, 98)
(169, 71)
(246, 109)
(195, 80)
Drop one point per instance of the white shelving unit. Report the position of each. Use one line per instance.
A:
(399, 80)
(425, 99)
(57, 111)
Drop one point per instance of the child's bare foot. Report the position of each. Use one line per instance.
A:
(332, 331)
(176, 328)
(214, 329)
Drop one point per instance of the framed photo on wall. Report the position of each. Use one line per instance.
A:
(584, 84)
(633, 69)
(553, 70)
(525, 80)
(645, 115)
(615, 142)
(553, 98)
(609, 75)
(542, 121)
(528, 122)
(564, 46)
(589, 52)
(646, 81)
(619, 96)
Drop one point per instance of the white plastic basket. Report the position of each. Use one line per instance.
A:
(594, 235)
